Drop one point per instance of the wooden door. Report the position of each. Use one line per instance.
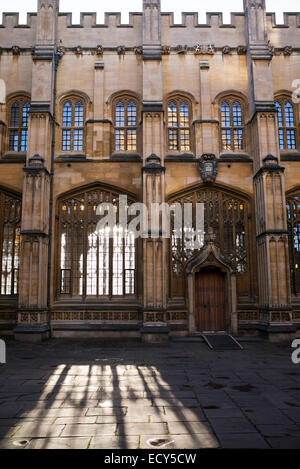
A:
(210, 300)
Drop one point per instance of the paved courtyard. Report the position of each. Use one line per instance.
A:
(90, 394)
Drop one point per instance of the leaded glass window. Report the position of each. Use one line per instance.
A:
(226, 216)
(179, 138)
(93, 263)
(232, 125)
(73, 125)
(18, 125)
(293, 217)
(286, 124)
(10, 227)
(125, 125)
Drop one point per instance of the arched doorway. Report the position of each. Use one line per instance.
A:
(210, 300)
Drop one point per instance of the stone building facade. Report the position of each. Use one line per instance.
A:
(162, 113)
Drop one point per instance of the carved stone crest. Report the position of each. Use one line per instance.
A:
(121, 50)
(288, 50)
(165, 50)
(203, 49)
(181, 49)
(226, 50)
(16, 50)
(99, 49)
(208, 167)
(138, 50)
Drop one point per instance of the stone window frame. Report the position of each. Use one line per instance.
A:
(293, 222)
(10, 219)
(283, 99)
(246, 277)
(22, 99)
(230, 99)
(84, 192)
(126, 98)
(73, 99)
(178, 98)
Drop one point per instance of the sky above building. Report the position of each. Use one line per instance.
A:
(21, 6)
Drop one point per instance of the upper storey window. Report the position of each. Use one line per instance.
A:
(125, 120)
(73, 125)
(232, 125)
(179, 135)
(286, 124)
(18, 125)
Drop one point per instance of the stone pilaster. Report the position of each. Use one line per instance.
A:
(99, 128)
(270, 205)
(34, 313)
(206, 129)
(154, 247)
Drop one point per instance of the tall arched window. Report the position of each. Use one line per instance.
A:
(93, 262)
(73, 125)
(293, 217)
(232, 124)
(18, 124)
(226, 215)
(10, 227)
(179, 122)
(125, 123)
(286, 124)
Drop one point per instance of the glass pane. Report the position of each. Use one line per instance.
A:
(131, 140)
(78, 121)
(120, 140)
(7, 258)
(15, 115)
(24, 138)
(238, 139)
(291, 139)
(16, 261)
(78, 140)
(67, 115)
(173, 140)
(289, 115)
(281, 139)
(225, 114)
(120, 115)
(118, 254)
(131, 111)
(184, 115)
(279, 110)
(66, 140)
(237, 114)
(26, 109)
(13, 140)
(129, 263)
(103, 283)
(226, 139)
(172, 115)
(185, 140)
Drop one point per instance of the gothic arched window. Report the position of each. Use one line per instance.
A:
(293, 218)
(73, 125)
(125, 124)
(232, 124)
(286, 124)
(91, 261)
(10, 227)
(227, 216)
(179, 122)
(18, 124)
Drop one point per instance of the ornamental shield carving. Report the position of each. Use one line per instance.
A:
(208, 167)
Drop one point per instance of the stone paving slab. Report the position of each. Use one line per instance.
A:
(82, 394)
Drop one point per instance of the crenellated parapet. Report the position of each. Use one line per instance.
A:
(113, 33)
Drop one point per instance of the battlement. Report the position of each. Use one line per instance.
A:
(113, 32)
